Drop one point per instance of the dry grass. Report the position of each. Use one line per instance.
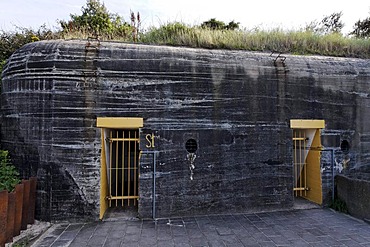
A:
(296, 42)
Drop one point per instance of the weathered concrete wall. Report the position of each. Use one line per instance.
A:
(355, 193)
(236, 104)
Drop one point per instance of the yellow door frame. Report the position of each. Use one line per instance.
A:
(307, 134)
(111, 123)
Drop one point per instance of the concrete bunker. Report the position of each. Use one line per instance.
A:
(215, 134)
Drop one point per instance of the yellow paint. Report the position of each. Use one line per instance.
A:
(119, 122)
(150, 140)
(103, 179)
(309, 177)
(314, 181)
(307, 124)
(106, 124)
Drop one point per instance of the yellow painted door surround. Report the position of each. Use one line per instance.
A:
(306, 159)
(119, 160)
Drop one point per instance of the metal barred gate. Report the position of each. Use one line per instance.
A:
(299, 163)
(123, 167)
(119, 171)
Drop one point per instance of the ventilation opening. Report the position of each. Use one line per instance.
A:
(191, 145)
(344, 146)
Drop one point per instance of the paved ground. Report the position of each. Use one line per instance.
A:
(313, 227)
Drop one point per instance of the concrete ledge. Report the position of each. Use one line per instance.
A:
(355, 193)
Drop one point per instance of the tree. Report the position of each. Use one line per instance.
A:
(213, 24)
(332, 23)
(362, 28)
(219, 25)
(232, 25)
(96, 20)
(329, 24)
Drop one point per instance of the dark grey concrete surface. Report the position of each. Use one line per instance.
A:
(309, 227)
(236, 105)
(355, 193)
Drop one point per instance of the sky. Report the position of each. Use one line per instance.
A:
(266, 14)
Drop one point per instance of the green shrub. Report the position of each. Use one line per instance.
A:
(339, 205)
(2, 64)
(9, 177)
(11, 41)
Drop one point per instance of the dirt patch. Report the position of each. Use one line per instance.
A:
(28, 236)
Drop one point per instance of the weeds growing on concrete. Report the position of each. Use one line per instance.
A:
(300, 42)
(339, 205)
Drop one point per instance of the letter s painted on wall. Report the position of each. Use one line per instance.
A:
(150, 140)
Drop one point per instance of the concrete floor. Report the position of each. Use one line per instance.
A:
(303, 227)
